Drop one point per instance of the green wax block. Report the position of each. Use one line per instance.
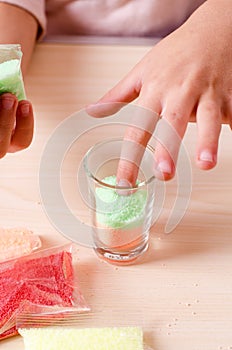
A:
(60, 338)
(11, 78)
(115, 210)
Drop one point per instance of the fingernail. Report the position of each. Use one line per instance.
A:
(164, 167)
(206, 156)
(7, 102)
(124, 183)
(92, 105)
(25, 108)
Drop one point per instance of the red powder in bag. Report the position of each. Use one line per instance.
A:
(41, 280)
(9, 333)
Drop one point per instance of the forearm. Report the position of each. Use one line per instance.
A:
(214, 16)
(18, 26)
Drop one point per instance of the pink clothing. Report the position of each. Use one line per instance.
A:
(109, 17)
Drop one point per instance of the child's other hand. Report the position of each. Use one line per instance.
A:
(16, 124)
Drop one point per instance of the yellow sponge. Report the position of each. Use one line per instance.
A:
(62, 338)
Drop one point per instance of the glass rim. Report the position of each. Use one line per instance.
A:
(115, 187)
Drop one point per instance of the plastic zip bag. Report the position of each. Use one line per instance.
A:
(15, 242)
(45, 280)
(10, 70)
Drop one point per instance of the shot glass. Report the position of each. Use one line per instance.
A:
(11, 79)
(121, 216)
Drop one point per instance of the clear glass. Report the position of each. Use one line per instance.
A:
(11, 79)
(121, 216)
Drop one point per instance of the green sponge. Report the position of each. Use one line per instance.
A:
(116, 211)
(58, 338)
(11, 78)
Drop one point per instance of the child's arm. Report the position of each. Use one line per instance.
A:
(17, 26)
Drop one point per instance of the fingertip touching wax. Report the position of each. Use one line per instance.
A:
(115, 210)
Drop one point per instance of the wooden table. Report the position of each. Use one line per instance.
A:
(181, 292)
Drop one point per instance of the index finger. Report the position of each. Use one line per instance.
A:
(23, 132)
(136, 138)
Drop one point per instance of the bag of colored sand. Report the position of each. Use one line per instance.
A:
(44, 282)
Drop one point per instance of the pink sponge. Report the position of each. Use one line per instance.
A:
(15, 242)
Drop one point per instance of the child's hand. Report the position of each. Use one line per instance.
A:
(16, 124)
(186, 76)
